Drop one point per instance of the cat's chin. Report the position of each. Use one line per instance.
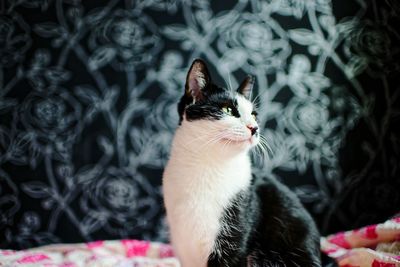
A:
(249, 142)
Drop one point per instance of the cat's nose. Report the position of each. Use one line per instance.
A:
(253, 129)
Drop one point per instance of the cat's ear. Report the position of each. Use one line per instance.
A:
(246, 87)
(197, 80)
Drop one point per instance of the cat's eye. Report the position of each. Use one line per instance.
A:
(227, 110)
(254, 115)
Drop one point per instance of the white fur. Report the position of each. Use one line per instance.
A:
(208, 166)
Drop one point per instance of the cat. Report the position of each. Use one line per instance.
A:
(217, 212)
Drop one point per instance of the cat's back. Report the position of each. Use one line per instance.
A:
(285, 227)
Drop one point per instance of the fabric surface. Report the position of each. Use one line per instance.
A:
(370, 246)
(88, 94)
(121, 253)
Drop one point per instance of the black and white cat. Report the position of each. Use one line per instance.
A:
(218, 214)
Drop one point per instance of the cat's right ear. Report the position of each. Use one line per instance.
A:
(197, 80)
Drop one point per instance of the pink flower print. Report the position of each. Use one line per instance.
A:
(377, 263)
(33, 258)
(95, 244)
(370, 232)
(135, 247)
(340, 240)
(166, 251)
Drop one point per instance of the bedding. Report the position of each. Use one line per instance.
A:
(120, 253)
(370, 246)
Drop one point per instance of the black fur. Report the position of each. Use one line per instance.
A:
(267, 226)
(232, 243)
(208, 108)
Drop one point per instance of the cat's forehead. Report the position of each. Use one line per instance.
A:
(237, 99)
(224, 94)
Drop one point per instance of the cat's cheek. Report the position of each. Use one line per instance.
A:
(233, 123)
(228, 121)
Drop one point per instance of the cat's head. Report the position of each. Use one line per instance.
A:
(218, 117)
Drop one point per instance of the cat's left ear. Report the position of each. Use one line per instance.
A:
(246, 87)
(197, 80)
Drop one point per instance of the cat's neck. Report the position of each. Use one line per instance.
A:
(187, 145)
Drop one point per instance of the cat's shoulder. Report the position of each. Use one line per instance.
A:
(272, 191)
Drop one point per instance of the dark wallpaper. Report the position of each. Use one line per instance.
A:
(88, 94)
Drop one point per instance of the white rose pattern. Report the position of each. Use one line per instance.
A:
(88, 100)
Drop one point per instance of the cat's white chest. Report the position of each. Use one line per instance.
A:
(196, 195)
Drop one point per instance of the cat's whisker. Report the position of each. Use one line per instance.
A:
(226, 143)
(204, 137)
(214, 140)
(196, 140)
(263, 153)
(264, 141)
(209, 143)
(262, 149)
(254, 101)
(259, 153)
(256, 105)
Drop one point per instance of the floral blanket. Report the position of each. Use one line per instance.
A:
(122, 253)
(370, 246)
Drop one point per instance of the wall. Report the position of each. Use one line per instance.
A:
(88, 107)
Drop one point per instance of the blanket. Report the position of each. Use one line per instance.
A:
(370, 246)
(121, 253)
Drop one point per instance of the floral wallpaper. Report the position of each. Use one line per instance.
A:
(88, 94)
